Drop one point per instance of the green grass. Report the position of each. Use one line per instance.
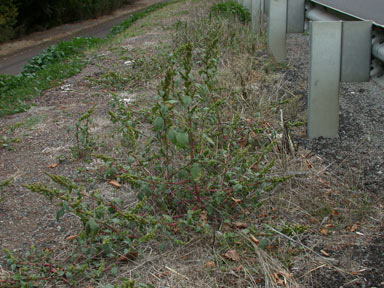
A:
(14, 98)
(55, 64)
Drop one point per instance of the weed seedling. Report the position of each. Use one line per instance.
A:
(85, 142)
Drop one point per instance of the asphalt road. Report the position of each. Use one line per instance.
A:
(14, 61)
(372, 10)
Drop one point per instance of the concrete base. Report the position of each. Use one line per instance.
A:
(324, 79)
(277, 28)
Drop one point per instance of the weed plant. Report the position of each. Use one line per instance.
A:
(57, 53)
(196, 160)
(83, 138)
(232, 9)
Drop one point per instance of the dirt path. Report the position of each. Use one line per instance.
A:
(14, 55)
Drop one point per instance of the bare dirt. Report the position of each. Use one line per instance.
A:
(340, 190)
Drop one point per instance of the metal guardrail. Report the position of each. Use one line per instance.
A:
(341, 50)
(316, 12)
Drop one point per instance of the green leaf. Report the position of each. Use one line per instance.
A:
(182, 139)
(60, 214)
(195, 171)
(158, 124)
(172, 136)
(114, 270)
(237, 187)
(92, 227)
(172, 101)
(68, 275)
(263, 243)
(187, 100)
(208, 139)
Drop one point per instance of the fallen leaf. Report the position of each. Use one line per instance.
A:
(354, 227)
(325, 183)
(254, 239)
(232, 255)
(330, 225)
(204, 217)
(236, 200)
(335, 213)
(277, 279)
(130, 256)
(325, 253)
(324, 231)
(328, 192)
(53, 165)
(240, 225)
(226, 227)
(114, 183)
(210, 264)
(314, 220)
(238, 268)
(70, 238)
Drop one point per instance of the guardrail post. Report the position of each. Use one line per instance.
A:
(266, 7)
(296, 16)
(324, 79)
(257, 15)
(277, 29)
(356, 51)
(247, 4)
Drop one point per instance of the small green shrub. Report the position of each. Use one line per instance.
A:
(111, 235)
(59, 52)
(232, 9)
(4, 184)
(84, 140)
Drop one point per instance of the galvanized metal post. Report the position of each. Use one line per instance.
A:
(324, 79)
(266, 7)
(296, 16)
(356, 51)
(277, 28)
(247, 4)
(257, 15)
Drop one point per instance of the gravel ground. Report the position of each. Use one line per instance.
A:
(357, 155)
